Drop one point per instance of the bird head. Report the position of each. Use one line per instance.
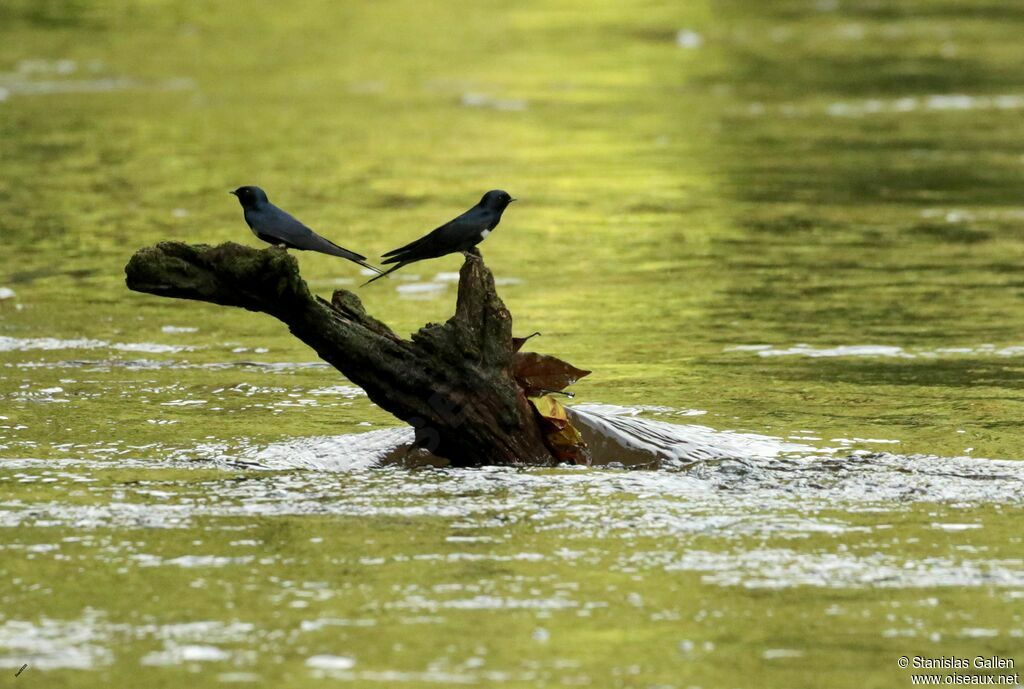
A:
(250, 197)
(496, 199)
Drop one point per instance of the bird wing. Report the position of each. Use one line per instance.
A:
(275, 222)
(439, 236)
(315, 242)
(293, 233)
(418, 243)
(454, 235)
(424, 247)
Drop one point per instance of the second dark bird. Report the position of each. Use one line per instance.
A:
(460, 234)
(274, 226)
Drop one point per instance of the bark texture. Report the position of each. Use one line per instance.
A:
(452, 382)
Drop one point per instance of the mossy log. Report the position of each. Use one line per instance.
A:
(453, 382)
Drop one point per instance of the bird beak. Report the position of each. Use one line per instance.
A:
(511, 200)
(233, 193)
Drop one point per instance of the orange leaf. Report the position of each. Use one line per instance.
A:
(538, 373)
(561, 437)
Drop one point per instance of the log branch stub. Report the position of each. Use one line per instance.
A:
(452, 382)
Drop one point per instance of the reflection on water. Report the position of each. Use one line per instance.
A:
(796, 222)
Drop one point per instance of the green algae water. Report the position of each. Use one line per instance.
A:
(786, 237)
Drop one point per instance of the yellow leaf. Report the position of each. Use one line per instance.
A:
(561, 437)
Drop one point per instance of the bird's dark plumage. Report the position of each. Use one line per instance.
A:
(460, 234)
(274, 226)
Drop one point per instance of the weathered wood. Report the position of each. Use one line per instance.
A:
(453, 382)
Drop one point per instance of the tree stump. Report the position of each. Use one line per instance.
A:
(454, 383)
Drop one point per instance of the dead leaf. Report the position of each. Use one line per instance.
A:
(518, 342)
(561, 437)
(538, 373)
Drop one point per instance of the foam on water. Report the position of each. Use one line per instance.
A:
(24, 344)
(727, 505)
(904, 105)
(323, 453)
(931, 103)
(618, 434)
(330, 662)
(421, 290)
(47, 77)
(621, 437)
(784, 568)
(175, 654)
(103, 365)
(52, 644)
(689, 39)
(91, 641)
(877, 351)
(481, 100)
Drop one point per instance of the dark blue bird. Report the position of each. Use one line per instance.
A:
(460, 234)
(274, 226)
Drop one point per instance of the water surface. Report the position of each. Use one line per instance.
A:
(785, 236)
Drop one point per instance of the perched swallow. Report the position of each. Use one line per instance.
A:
(460, 234)
(274, 226)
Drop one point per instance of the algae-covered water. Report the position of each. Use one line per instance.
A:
(787, 237)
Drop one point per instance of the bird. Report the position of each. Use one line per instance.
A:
(460, 234)
(276, 227)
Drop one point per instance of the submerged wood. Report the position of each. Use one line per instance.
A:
(452, 382)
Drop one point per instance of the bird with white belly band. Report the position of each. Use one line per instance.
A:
(461, 234)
